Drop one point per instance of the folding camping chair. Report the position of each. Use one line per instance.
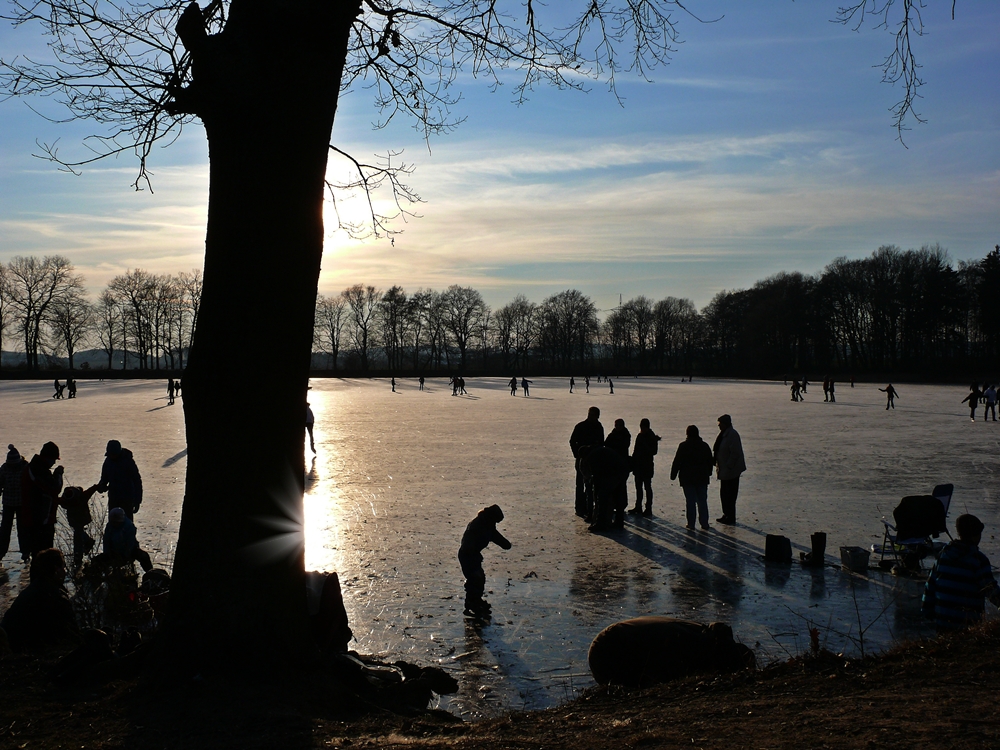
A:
(919, 520)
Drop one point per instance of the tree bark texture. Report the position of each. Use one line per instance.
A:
(266, 89)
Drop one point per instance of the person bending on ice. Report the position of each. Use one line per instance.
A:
(478, 534)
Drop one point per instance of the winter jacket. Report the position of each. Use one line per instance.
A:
(646, 446)
(961, 579)
(10, 482)
(589, 432)
(479, 533)
(729, 454)
(693, 463)
(40, 488)
(120, 479)
(119, 540)
(619, 440)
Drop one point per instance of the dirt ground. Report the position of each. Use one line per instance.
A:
(938, 693)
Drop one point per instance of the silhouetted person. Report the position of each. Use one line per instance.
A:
(120, 478)
(42, 616)
(973, 398)
(962, 578)
(393, 382)
(76, 502)
(990, 401)
(890, 396)
(40, 488)
(513, 386)
(71, 387)
(805, 384)
(524, 386)
(571, 383)
(619, 440)
(420, 380)
(693, 464)
(120, 543)
(728, 456)
(826, 388)
(310, 422)
(171, 391)
(586, 382)
(646, 446)
(11, 472)
(609, 471)
(611, 386)
(586, 434)
(478, 534)
(796, 390)
(58, 389)
(833, 393)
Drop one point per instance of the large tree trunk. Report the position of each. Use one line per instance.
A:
(266, 89)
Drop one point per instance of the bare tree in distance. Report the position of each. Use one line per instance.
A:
(363, 301)
(463, 309)
(331, 315)
(72, 321)
(35, 286)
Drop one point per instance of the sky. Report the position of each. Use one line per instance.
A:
(766, 145)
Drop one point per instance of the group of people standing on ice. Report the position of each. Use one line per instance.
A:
(33, 491)
(603, 465)
(987, 396)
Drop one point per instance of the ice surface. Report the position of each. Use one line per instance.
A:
(399, 475)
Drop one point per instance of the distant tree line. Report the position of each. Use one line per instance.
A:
(142, 318)
(895, 312)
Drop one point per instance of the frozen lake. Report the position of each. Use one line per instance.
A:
(399, 475)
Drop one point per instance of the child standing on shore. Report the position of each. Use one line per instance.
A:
(478, 534)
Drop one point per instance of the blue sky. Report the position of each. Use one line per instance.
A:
(766, 145)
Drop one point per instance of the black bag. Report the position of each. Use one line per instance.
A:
(778, 549)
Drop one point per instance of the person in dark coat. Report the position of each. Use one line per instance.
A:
(646, 446)
(608, 470)
(729, 458)
(619, 440)
(693, 463)
(11, 472)
(120, 479)
(120, 543)
(40, 488)
(587, 434)
(961, 580)
(478, 534)
(42, 616)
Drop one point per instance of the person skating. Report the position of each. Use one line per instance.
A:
(728, 456)
(990, 401)
(693, 464)
(890, 396)
(646, 446)
(973, 399)
(478, 534)
(513, 386)
(586, 434)
(310, 423)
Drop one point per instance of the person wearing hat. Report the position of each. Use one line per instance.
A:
(40, 488)
(10, 488)
(120, 543)
(120, 479)
(478, 534)
(728, 457)
(961, 580)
